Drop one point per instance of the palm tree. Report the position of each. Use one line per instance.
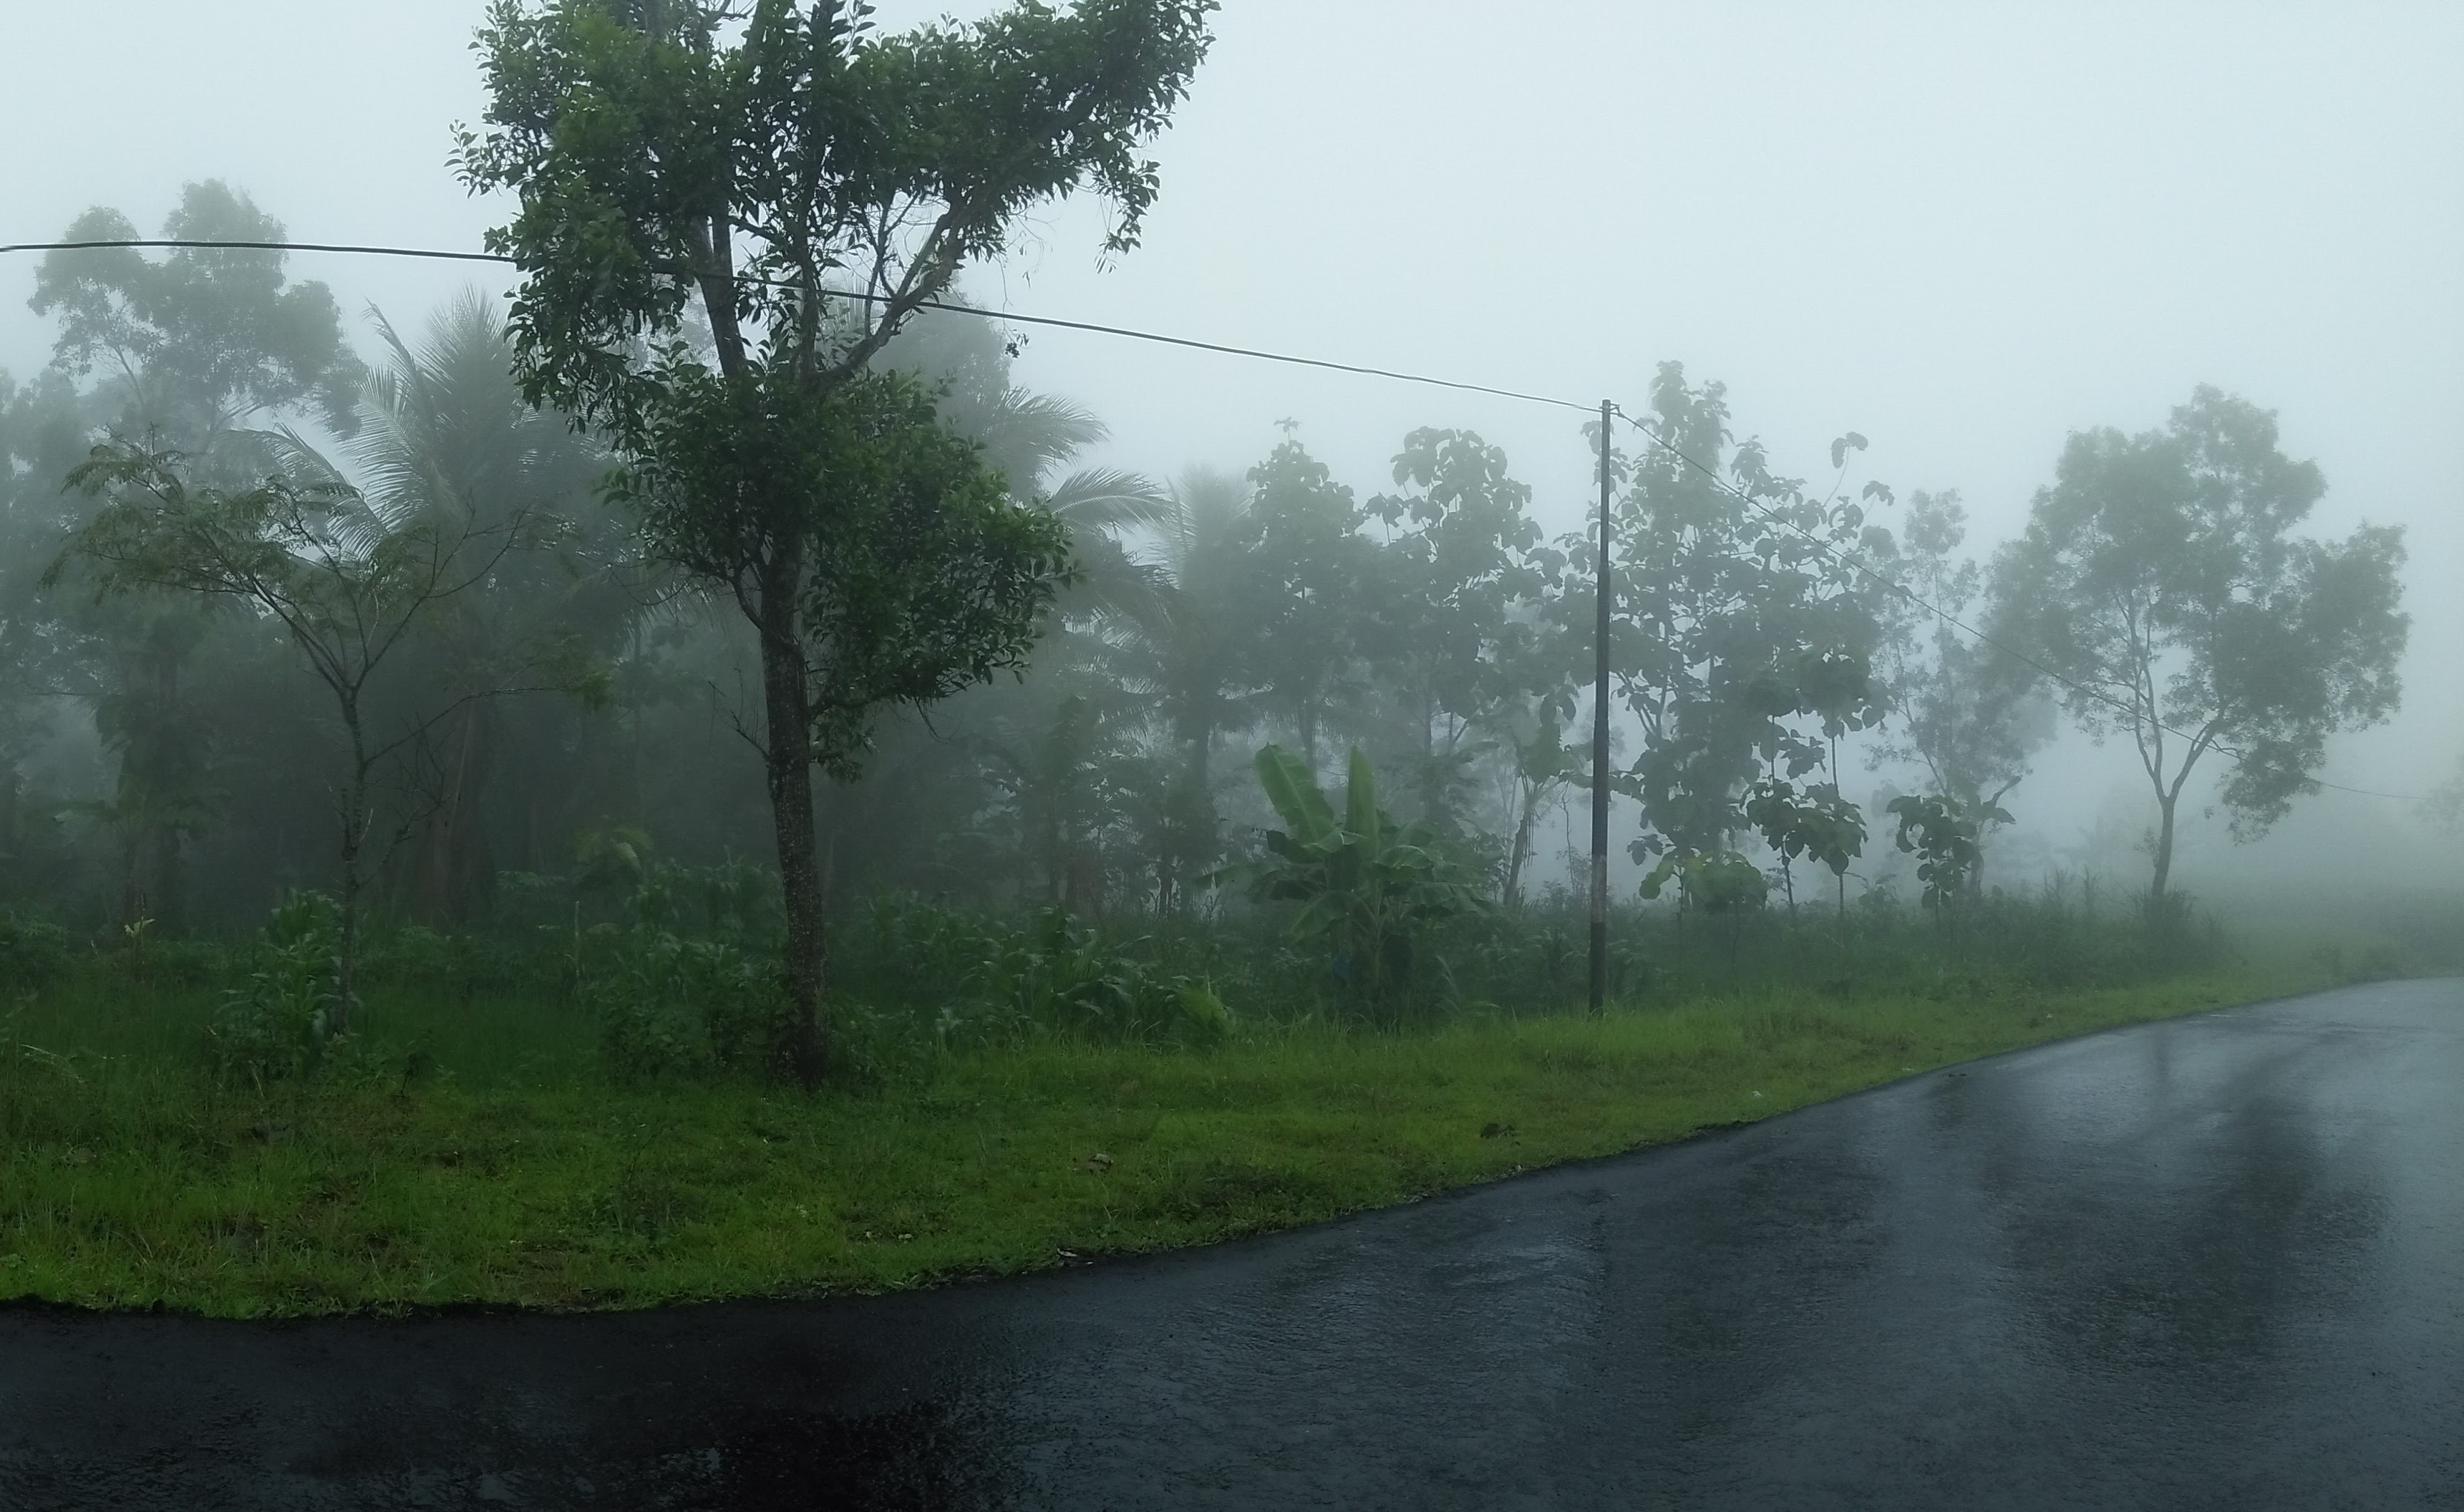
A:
(1191, 662)
(446, 439)
(1030, 437)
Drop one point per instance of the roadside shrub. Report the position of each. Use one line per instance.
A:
(642, 1039)
(273, 1025)
(415, 955)
(34, 952)
(1204, 1022)
(936, 979)
(673, 1006)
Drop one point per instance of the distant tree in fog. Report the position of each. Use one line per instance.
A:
(2160, 576)
(1743, 640)
(445, 441)
(347, 581)
(196, 351)
(1457, 589)
(1971, 715)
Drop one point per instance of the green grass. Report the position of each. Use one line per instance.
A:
(515, 1176)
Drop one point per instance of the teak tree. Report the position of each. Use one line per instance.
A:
(750, 164)
(1744, 634)
(2160, 578)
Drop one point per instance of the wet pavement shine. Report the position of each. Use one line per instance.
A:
(2213, 1262)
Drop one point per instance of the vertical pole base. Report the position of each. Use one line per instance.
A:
(1599, 933)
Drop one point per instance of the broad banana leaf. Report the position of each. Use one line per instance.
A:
(1293, 789)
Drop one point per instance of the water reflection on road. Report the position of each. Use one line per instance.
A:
(2214, 1263)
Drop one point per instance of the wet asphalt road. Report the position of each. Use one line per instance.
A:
(2216, 1263)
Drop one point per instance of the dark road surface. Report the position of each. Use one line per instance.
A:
(2216, 1263)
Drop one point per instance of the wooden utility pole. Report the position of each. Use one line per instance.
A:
(1600, 743)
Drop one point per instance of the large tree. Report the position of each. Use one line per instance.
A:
(194, 349)
(746, 164)
(2160, 577)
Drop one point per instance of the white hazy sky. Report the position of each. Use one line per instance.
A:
(1961, 229)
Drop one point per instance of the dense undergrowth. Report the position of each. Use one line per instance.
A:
(581, 1107)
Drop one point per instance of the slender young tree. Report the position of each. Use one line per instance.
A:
(345, 584)
(193, 351)
(446, 439)
(2160, 576)
(1970, 714)
(757, 164)
(43, 434)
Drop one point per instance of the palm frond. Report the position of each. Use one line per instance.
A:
(1108, 500)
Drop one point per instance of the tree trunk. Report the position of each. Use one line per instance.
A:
(346, 949)
(1523, 820)
(170, 881)
(165, 893)
(2164, 803)
(457, 864)
(787, 764)
(1202, 773)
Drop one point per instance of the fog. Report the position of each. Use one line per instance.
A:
(1962, 230)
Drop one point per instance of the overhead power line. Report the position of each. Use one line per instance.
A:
(950, 307)
(1261, 355)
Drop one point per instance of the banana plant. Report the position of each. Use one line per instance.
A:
(1366, 884)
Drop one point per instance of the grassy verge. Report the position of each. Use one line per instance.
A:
(129, 1182)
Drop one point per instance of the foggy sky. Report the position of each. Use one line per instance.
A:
(1962, 229)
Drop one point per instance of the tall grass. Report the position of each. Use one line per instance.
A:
(138, 1180)
(1028, 1089)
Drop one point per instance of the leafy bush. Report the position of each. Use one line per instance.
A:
(680, 1007)
(1067, 977)
(33, 951)
(189, 962)
(924, 979)
(274, 1024)
(643, 1037)
(417, 955)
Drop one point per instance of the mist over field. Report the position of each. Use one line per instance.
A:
(1961, 232)
(686, 767)
(666, 653)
